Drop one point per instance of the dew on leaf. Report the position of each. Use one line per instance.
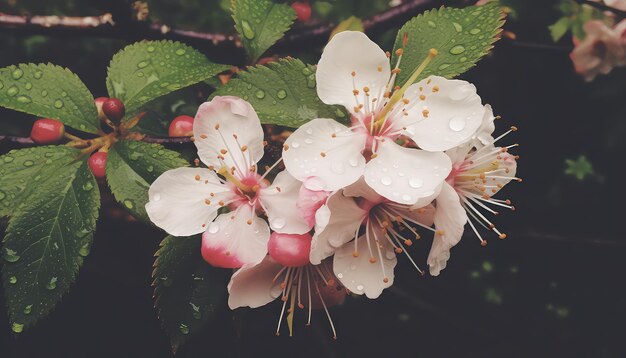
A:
(474, 31)
(28, 163)
(10, 255)
(24, 99)
(247, 30)
(8, 159)
(432, 24)
(58, 104)
(52, 284)
(458, 49)
(28, 85)
(184, 329)
(143, 64)
(457, 27)
(37, 75)
(44, 93)
(12, 91)
(281, 94)
(260, 94)
(180, 51)
(13, 280)
(17, 74)
(150, 48)
(129, 204)
(28, 309)
(17, 327)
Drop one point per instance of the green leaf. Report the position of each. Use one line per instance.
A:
(261, 23)
(186, 288)
(146, 70)
(560, 28)
(49, 91)
(281, 93)
(579, 168)
(132, 166)
(461, 36)
(54, 213)
(352, 23)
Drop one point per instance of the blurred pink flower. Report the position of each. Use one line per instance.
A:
(602, 49)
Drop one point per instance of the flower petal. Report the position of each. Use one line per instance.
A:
(444, 113)
(309, 202)
(405, 175)
(361, 276)
(450, 218)
(486, 127)
(362, 190)
(253, 285)
(215, 127)
(236, 239)
(351, 52)
(345, 219)
(327, 152)
(280, 201)
(177, 200)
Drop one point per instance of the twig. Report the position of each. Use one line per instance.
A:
(20, 140)
(604, 7)
(108, 26)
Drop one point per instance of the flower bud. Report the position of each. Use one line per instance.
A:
(47, 131)
(114, 109)
(97, 164)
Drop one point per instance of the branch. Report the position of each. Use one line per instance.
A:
(107, 26)
(602, 6)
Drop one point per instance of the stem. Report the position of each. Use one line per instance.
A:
(602, 6)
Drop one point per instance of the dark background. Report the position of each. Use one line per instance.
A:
(553, 288)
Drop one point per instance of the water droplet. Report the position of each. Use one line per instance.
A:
(457, 50)
(260, 94)
(12, 91)
(84, 250)
(129, 203)
(180, 51)
(353, 162)
(143, 64)
(58, 104)
(406, 197)
(183, 328)
(213, 228)
(13, 280)
(416, 182)
(386, 181)
(10, 255)
(52, 284)
(360, 287)
(432, 24)
(28, 309)
(247, 30)
(17, 74)
(457, 27)
(17, 327)
(340, 275)
(306, 71)
(37, 75)
(8, 159)
(64, 94)
(474, 31)
(44, 93)
(295, 144)
(460, 93)
(28, 86)
(24, 99)
(150, 48)
(87, 186)
(338, 167)
(156, 197)
(281, 94)
(279, 223)
(150, 168)
(28, 163)
(457, 124)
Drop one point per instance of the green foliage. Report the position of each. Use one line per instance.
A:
(580, 168)
(281, 93)
(350, 24)
(54, 202)
(261, 23)
(50, 91)
(186, 288)
(132, 166)
(461, 36)
(146, 70)
(574, 18)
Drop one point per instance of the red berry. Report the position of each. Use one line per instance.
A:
(114, 109)
(290, 249)
(47, 131)
(181, 126)
(303, 10)
(99, 102)
(97, 164)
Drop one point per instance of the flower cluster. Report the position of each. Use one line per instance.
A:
(604, 45)
(417, 159)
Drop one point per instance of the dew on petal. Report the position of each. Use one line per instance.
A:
(213, 228)
(416, 182)
(457, 123)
